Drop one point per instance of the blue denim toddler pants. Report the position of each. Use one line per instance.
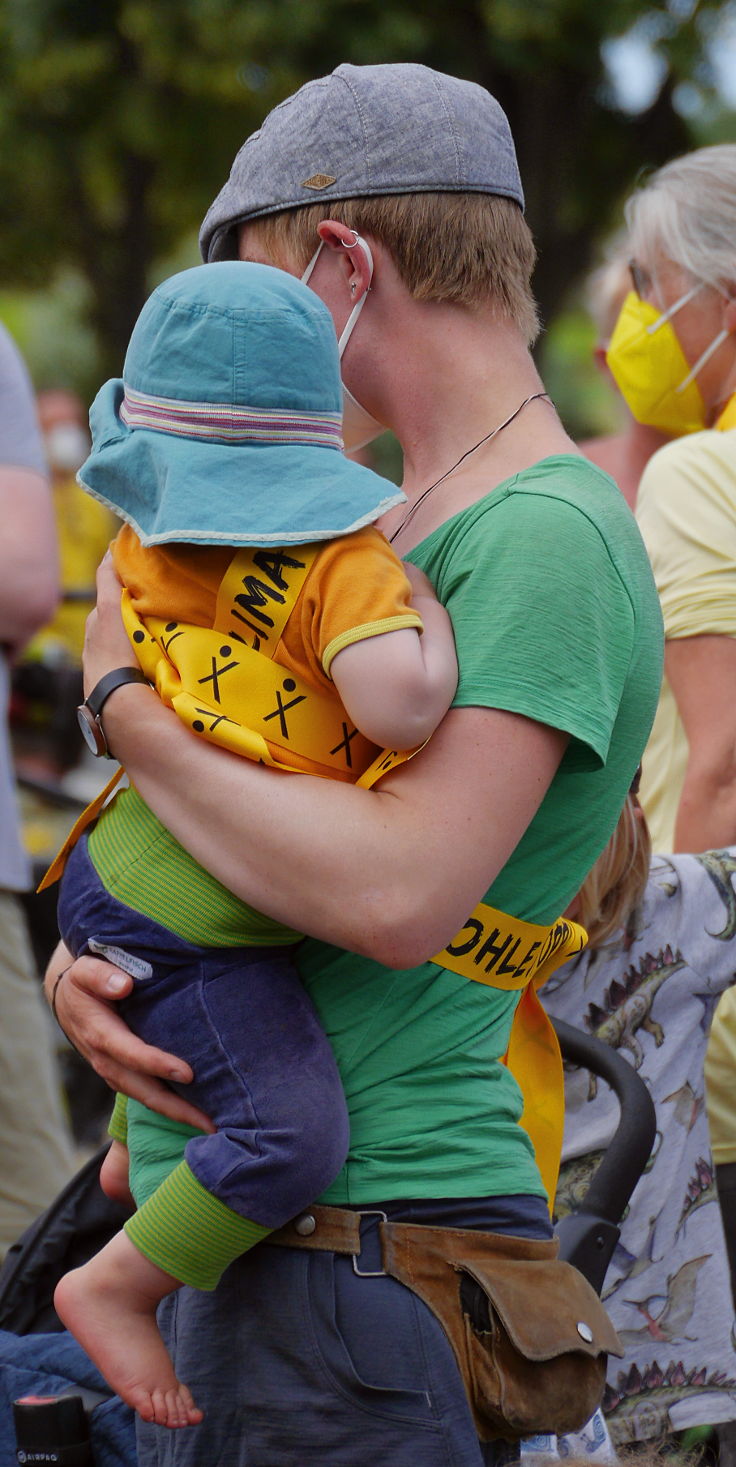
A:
(263, 1069)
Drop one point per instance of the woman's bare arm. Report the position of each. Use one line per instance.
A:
(701, 672)
(391, 873)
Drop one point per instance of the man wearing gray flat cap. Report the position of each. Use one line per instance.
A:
(430, 899)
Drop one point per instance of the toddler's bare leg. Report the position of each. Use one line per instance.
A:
(110, 1307)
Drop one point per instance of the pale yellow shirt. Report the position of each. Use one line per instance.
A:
(686, 511)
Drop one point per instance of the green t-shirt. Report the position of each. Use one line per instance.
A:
(556, 617)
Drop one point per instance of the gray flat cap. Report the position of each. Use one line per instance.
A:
(362, 131)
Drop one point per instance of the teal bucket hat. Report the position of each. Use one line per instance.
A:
(226, 427)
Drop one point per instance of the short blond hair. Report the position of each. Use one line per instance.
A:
(470, 249)
(614, 887)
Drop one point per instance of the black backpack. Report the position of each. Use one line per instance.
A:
(77, 1224)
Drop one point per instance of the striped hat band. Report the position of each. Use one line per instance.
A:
(223, 422)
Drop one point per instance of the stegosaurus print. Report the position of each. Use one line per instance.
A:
(628, 1003)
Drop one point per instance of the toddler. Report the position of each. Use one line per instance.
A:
(268, 610)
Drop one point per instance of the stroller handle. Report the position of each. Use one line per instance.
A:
(630, 1147)
(588, 1236)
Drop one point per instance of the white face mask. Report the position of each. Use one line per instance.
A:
(359, 427)
(67, 446)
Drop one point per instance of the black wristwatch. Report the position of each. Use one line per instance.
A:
(88, 712)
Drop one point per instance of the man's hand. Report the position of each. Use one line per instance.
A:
(84, 1002)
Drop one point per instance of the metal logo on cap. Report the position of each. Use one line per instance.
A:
(318, 181)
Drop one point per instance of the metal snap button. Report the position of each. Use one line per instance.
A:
(306, 1225)
(585, 1332)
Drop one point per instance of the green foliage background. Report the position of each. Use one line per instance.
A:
(119, 121)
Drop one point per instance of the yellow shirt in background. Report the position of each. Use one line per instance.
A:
(84, 528)
(686, 511)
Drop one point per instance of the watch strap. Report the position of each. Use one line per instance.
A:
(107, 685)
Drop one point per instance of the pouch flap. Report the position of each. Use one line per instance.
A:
(546, 1307)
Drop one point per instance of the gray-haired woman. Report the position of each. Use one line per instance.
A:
(673, 354)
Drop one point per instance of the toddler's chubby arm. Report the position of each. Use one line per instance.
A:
(398, 686)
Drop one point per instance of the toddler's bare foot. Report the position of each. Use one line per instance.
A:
(110, 1307)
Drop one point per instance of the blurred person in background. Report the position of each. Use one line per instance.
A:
(625, 453)
(47, 679)
(35, 1156)
(673, 354)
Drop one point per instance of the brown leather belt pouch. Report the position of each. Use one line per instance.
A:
(530, 1335)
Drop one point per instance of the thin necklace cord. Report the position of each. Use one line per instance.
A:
(488, 436)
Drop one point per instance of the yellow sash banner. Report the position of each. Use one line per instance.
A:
(225, 686)
(80, 825)
(503, 952)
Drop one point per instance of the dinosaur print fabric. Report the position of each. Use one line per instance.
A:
(651, 993)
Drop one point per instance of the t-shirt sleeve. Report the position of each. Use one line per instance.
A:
(20, 437)
(357, 589)
(685, 510)
(543, 623)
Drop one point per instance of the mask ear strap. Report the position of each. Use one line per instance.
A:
(706, 356)
(307, 273)
(665, 316)
(357, 308)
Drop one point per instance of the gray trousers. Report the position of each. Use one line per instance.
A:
(36, 1157)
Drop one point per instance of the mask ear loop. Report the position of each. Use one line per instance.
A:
(357, 308)
(706, 356)
(665, 316)
(361, 244)
(307, 273)
(709, 350)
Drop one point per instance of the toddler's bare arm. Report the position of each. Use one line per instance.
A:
(398, 686)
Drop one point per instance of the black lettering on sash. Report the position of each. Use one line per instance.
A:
(491, 947)
(257, 593)
(257, 635)
(387, 762)
(526, 960)
(459, 949)
(554, 941)
(271, 562)
(508, 965)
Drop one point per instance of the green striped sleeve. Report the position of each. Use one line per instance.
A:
(189, 1233)
(118, 1124)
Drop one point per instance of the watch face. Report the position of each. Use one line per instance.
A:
(92, 734)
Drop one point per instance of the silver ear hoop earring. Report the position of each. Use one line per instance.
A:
(350, 245)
